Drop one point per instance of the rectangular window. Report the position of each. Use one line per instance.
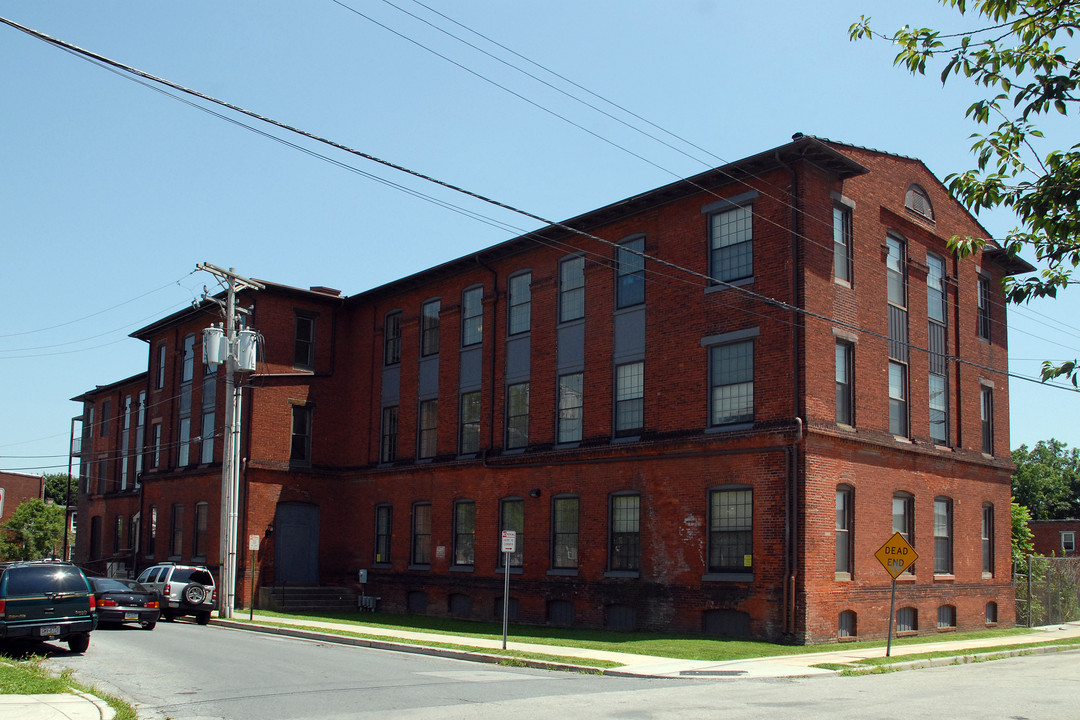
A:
(572, 289)
(151, 532)
(842, 237)
(1068, 541)
(429, 328)
(731, 525)
(984, 307)
(943, 536)
(469, 434)
(625, 536)
(300, 448)
(384, 525)
(731, 240)
(630, 273)
(160, 375)
(388, 446)
(208, 431)
(184, 443)
(304, 343)
(421, 534)
(187, 371)
(907, 620)
(896, 277)
(519, 319)
(629, 398)
(845, 383)
(986, 415)
(428, 432)
(155, 452)
(140, 435)
(392, 339)
(935, 288)
(571, 404)
(464, 532)
(517, 416)
(472, 316)
(988, 540)
(176, 543)
(898, 408)
(946, 617)
(512, 517)
(939, 408)
(903, 509)
(845, 524)
(564, 532)
(202, 512)
(106, 411)
(731, 373)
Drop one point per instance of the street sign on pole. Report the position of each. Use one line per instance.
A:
(896, 556)
(509, 545)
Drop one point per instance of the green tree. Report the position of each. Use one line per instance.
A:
(1047, 480)
(1018, 54)
(34, 531)
(1023, 541)
(56, 487)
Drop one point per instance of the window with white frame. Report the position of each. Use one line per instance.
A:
(571, 405)
(629, 398)
(630, 273)
(845, 529)
(842, 242)
(731, 239)
(943, 536)
(986, 417)
(472, 316)
(898, 404)
(519, 315)
(571, 288)
(731, 529)
(731, 375)
(903, 512)
(987, 533)
(983, 309)
(1068, 541)
(845, 383)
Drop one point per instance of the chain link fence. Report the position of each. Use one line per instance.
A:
(1047, 590)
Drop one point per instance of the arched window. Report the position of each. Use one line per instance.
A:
(848, 626)
(918, 202)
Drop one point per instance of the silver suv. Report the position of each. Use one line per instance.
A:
(183, 589)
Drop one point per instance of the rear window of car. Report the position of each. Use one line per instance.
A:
(42, 579)
(114, 585)
(192, 575)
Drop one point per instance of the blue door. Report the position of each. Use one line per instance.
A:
(296, 543)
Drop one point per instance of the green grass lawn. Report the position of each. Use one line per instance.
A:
(28, 676)
(685, 647)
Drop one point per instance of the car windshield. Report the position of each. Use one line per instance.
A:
(38, 579)
(116, 585)
(192, 575)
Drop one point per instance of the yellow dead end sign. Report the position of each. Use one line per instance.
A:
(896, 555)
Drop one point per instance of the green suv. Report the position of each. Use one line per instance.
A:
(46, 600)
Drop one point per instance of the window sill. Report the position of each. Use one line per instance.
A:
(944, 577)
(420, 567)
(563, 572)
(843, 577)
(728, 577)
(906, 577)
(987, 576)
(622, 574)
(625, 439)
(842, 283)
(728, 284)
(946, 629)
(461, 568)
(845, 426)
(901, 439)
(848, 639)
(730, 428)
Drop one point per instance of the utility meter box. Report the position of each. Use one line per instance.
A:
(363, 576)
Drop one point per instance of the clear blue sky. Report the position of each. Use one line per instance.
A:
(112, 192)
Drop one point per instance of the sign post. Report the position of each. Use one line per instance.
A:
(253, 545)
(896, 556)
(509, 545)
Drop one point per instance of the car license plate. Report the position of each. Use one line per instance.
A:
(50, 630)
(131, 616)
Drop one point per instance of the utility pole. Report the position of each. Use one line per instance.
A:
(228, 353)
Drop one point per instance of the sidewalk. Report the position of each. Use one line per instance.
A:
(633, 664)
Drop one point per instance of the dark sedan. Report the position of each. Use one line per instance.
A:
(125, 601)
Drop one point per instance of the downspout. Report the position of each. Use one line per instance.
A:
(491, 365)
(791, 515)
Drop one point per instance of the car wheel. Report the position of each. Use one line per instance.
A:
(194, 594)
(202, 618)
(79, 643)
(149, 625)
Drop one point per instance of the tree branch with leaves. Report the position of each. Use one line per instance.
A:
(1024, 54)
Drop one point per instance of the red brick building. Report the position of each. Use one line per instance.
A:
(1055, 537)
(17, 488)
(701, 409)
